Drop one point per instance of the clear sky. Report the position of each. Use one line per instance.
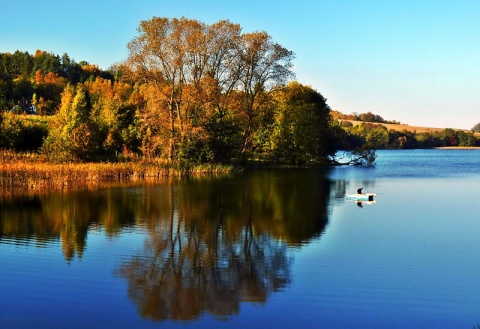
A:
(414, 61)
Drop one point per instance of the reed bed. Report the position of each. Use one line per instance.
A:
(20, 173)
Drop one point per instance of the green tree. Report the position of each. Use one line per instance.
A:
(466, 138)
(21, 133)
(426, 140)
(113, 114)
(450, 137)
(10, 131)
(302, 131)
(73, 136)
(371, 135)
(21, 65)
(377, 137)
(221, 141)
(401, 140)
(22, 92)
(46, 62)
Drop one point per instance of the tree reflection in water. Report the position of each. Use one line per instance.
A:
(180, 276)
(65, 217)
(212, 244)
(223, 244)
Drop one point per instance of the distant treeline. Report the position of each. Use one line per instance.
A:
(33, 83)
(366, 117)
(377, 136)
(370, 133)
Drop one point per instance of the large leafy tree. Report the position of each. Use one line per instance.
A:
(206, 76)
(303, 130)
(265, 65)
(158, 56)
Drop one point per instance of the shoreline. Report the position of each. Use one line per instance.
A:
(457, 148)
(24, 178)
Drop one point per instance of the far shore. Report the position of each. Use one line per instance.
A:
(458, 148)
(401, 127)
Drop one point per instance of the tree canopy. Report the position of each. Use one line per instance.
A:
(203, 74)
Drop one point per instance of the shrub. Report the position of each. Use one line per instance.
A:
(20, 133)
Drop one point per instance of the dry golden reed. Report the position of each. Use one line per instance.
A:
(20, 173)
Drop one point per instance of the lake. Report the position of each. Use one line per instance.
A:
(261, 249)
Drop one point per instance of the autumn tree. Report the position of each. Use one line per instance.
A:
(212, 94)
(73, 135)
(48, 88)
(206, 76)
(43, 74)
(114, 115)
(156, 56)
(265, 65)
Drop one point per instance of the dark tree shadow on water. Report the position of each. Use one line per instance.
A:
(43, 220)
(225, 242)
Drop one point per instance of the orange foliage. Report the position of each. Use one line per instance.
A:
(38, 77)
(92, 68)
(104, 89)
(50, 77)
(39, 53)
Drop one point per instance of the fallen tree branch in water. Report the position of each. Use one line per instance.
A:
(357, 157)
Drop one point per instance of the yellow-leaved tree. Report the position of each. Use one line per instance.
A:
(73, 135)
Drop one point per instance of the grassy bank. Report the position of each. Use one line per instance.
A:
(20, 173)
(405, 127)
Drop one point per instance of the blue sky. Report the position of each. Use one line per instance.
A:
(414, 61)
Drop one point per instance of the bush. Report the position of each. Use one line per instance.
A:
(20, 133)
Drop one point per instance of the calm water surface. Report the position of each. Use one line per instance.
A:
(263, 249)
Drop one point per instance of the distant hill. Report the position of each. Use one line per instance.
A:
(369, 117)
(402, 127)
